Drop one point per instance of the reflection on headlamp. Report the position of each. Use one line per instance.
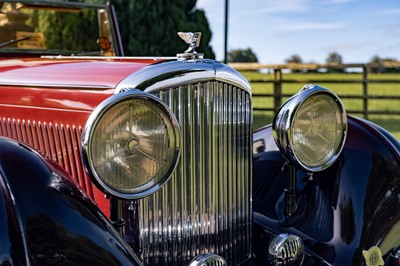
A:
(310, 128)
(132, 144)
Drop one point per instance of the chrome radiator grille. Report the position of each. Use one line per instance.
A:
(206, 205)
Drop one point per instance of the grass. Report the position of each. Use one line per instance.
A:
(389, 122)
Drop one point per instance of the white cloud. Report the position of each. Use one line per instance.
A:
(312, 26)
(205, 3)
(391, 30)
(346, 46)
(273, 6)
(338, 1)
(290, 6)
(393, 11)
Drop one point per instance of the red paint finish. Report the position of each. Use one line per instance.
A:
(60, 90)
(45, 103)
(100, 73)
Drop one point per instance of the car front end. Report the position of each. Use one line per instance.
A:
(165, 145)
(118, 160)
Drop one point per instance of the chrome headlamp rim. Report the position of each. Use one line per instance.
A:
(89, 129)
(284, 120)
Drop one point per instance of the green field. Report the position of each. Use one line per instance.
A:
(390, 122)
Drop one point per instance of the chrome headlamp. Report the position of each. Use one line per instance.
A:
(310, 128)
(130, 144)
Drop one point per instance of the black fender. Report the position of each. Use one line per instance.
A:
(347, 208)
(46, 219)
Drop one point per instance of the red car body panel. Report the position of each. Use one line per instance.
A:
(93, 73)
(31, 100)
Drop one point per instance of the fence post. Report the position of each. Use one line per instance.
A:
(277, 89)
(365, 91)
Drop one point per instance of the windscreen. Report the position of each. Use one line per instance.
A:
(54, 29)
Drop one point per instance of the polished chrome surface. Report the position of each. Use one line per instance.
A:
(130, 151)
(107, 58)
(59, 4)
(287, 249)
(284, 120)
(206, 205)
(193, 39)
(397, 256)
(208, 259)
(59, 142)
(180, 73)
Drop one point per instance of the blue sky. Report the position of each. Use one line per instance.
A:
(277, 29)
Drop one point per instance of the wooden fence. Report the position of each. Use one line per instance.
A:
(278, 80)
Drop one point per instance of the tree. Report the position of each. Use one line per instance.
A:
(376, 59)
(294, 59)
(312, 70)
(242, 55)
(150, 27)
(79, 29)
(336, 59)
(376, 65)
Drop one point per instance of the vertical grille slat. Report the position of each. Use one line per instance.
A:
(34, 136)
(28, 127)
(58, 142)
(205, 207)
(38, 133)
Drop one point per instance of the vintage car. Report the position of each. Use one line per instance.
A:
(113, 160)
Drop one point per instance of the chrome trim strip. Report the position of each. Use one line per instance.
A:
(106, 58)
(180, 73)
(65, 86)
(114, 29)
(55, 3)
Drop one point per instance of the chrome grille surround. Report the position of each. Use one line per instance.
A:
(206, 205)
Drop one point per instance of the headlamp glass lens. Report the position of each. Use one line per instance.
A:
(133, 146)
(317, 131)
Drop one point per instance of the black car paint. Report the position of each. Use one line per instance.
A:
(45, 219)
(345, 209)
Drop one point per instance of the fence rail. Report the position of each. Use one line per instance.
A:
(278, 80)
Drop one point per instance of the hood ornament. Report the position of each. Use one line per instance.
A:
(193, 39)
